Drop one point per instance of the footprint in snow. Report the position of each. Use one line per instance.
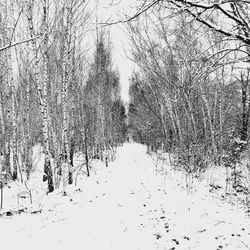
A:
(220, 236)
(166, 225)
(237, 235)
(78, 190)
(158, 236)
(176, 241)
(219, 247)
(202, 231)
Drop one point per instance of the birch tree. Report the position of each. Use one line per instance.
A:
(102, 92)
(179, 74)
(42, 87)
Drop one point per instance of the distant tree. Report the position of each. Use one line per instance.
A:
(102, 93)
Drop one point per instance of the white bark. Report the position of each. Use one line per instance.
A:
(42, 90)
(12, 91)
(211, 125)
(65, 82)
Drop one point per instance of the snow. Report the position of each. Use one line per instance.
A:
(129, 206)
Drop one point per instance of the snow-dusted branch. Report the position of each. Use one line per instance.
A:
(19, 42)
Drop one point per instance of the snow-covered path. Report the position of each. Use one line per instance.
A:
(126, 206)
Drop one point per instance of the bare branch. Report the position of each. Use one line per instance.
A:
(19, 42)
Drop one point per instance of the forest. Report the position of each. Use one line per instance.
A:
(68, 137)
(52, 95)
(190, 92)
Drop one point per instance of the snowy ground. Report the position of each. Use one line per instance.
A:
(127, 206)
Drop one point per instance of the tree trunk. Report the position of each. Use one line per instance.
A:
(65, 65)
(211, 125)
(190, 111)
(47, 164)
(42, 93)
(164, 128)
(13, 111)
(14, 135)
(86, 152)
(245, 109)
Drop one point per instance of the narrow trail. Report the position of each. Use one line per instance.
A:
(126, 206)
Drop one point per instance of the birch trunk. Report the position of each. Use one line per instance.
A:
(65, 65)
(171, 114)
(164, 128)
(190, 111)
(14, 132)
(12, 109)
(1, 115)
(245, 107)
(204, 122)
(211, 126)
(47, 163)
(100, 113)
(42, 104)
(178, 126)
(220, 126)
